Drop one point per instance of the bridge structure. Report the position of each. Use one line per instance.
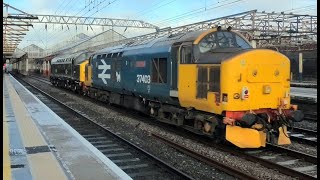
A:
(17, 22)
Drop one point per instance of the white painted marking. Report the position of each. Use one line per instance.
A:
(269, 157)
(306, 168)
(173, 93)
(311, 138)
(297, 135)
(118, 76)
(103, 74)
(289, 162)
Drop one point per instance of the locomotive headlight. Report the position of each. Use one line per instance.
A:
(266, 89)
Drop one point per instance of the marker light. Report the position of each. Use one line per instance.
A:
(244, 93)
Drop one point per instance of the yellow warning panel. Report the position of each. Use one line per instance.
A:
(245, 137)
(283, 136)
(5, 145)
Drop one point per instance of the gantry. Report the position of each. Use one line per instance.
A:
(268, 30)
(16, 24)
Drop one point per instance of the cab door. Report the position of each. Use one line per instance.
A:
(88, 73)
(198, 84)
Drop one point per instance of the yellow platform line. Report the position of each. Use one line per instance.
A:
(42, 165)
(6, 157)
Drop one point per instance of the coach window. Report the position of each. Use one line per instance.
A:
(109, 55)
(159, 70)
(186, 54)
(103, 56)
(98, 57)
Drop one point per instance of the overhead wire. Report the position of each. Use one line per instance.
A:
(147, 12)
(103, 7)
(66, 7)
(195, 11)
(46, 27)
(231, 3)
(59, 32)
(59, 6)
(159, 2)
(303, 7)
(186, 13)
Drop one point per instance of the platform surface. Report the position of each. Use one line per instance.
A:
(310, 93)
(307, 84)
(304, 83)
(38, 144)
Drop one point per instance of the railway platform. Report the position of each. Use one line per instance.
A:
(311, 84)
(304, 94)
(38, 144)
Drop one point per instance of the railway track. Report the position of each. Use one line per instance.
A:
(299, 164)
(310, 117)
(286, 161)
(42, 79)
(305, 136)
(300, 135)
(309, 109)
(89, 131)
(133, 160)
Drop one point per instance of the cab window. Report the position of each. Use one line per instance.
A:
(186, 54)
(222, 40)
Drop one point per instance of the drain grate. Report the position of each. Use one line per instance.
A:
(37, 149)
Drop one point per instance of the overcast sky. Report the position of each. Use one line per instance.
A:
(162, 13)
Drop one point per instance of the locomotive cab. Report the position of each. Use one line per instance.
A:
(247, 90)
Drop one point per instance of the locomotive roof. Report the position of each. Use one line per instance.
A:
(164, 42)
(67, 58)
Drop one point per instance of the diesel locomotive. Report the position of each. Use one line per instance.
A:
(209, 82)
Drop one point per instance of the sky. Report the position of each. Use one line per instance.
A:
(162, 13)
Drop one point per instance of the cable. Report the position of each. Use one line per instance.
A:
(54, 35)
(103, 7)
(303, 7)
(66, 6)
(182, 16)
(156, 8)
(231, 3)
(185, 14)
(59, 7)
(159, 2)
